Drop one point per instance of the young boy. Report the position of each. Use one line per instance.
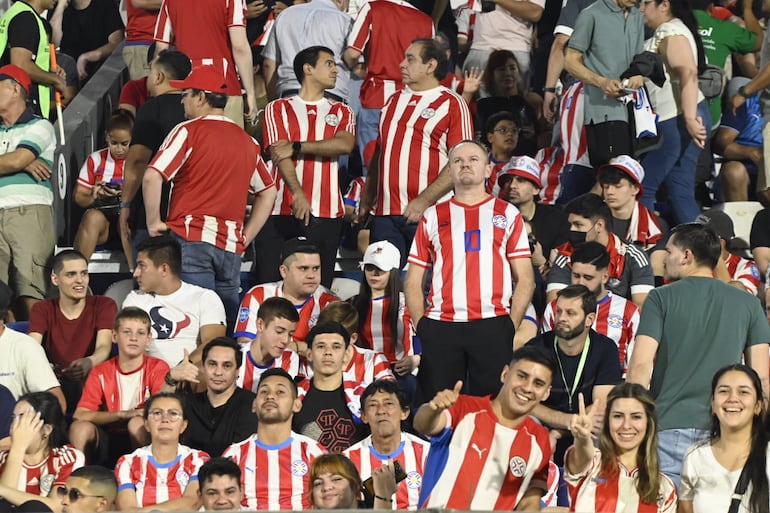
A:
(277, 319)
(115, 392)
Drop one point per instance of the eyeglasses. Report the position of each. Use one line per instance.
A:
(74, 494)
(172, 415)
(506, 130)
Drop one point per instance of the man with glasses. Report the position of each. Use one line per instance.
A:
(89, 489)
(207, 210)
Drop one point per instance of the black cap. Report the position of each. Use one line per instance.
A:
(718, 221)
(298, 245)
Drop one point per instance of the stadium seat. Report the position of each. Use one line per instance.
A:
(119, 290)
(742, 214)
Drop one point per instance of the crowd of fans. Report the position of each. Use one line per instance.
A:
(551, 313)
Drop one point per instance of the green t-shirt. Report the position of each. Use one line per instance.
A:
(720, 39)
(701, 324)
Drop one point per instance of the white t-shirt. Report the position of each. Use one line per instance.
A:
(23, 365)
(707, 483)
(177, 318)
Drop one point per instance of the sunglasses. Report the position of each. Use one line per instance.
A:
(74, 494)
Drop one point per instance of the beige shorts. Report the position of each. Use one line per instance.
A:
(234, 109)
(27, 241)
(135, 57)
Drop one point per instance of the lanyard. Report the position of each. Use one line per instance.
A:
(578, 374)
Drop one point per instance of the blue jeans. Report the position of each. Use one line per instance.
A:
(674, 164)
(215, 269)
(575, 180)
(367, 129)
(395, 230)
(672, 444)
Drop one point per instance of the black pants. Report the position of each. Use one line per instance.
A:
(32, 506)
(474, 352)
(324, 232)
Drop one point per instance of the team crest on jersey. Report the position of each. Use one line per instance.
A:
(428, 113)
(46, 482)
(413, 480)
(499, 221)
(615, 321)
(518, 466)
(299, 468)
(243, 315)
(182, 477)
(332, 120)
(754, 271)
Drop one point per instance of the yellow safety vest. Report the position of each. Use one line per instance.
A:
(42, 56)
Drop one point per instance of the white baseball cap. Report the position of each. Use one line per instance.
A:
(524, 167)
(628, 165)
(383, 255)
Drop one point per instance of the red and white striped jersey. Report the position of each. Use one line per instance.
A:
(197, 211)
(308, 311)
(551, 162)
(154, 482)
(250, 371)
(481, 464)
(643, 228)
(54, 470)
(492, 186)
(744, 271)
(103, 390)
(200, 30)
(376, 331)
(275, 477)
(294, 119)
(469, 248)
(412, 454)
(571, 127)
(593, 490)
(101, 166)
(353, 195)
(416, 131)
(616, 318)
(386, 28)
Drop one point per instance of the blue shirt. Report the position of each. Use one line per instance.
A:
(747, 121)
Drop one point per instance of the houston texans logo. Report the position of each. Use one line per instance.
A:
(166, 328)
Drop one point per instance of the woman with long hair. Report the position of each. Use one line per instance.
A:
(623, 474)
(384, 322)
(736, 448)
(40, 460)
(683, 115)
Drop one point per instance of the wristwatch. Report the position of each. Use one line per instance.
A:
(549, 90)
(169, 380)
(742, 91)
(296, 146)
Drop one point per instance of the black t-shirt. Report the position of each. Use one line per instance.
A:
(760, 230)
(214, 429)
(88, 29)
(550, 226)
(325, 417)
(23, 32)
(602, 367)
(154, 120)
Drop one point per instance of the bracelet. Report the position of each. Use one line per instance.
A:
(549, 90)
(383, 498)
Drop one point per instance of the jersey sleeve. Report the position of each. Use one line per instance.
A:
(247, 316)
(347, 120)
(163, 31)
(262, 178)
(274, 126)
(124, 473)
(420, 253)
(560, 275)
(156, 376)
(738, 39)
(92, 397)
(549, 314)
(193, 463)
(460, 121)
(362, 29)
(642, 280)
(236, 13)
(87, 175)
(68, 459)
(173, 153)
(517, 245)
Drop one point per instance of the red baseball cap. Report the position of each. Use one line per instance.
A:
(13, 72)
(205, 78)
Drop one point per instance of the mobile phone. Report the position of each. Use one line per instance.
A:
(369, 483)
